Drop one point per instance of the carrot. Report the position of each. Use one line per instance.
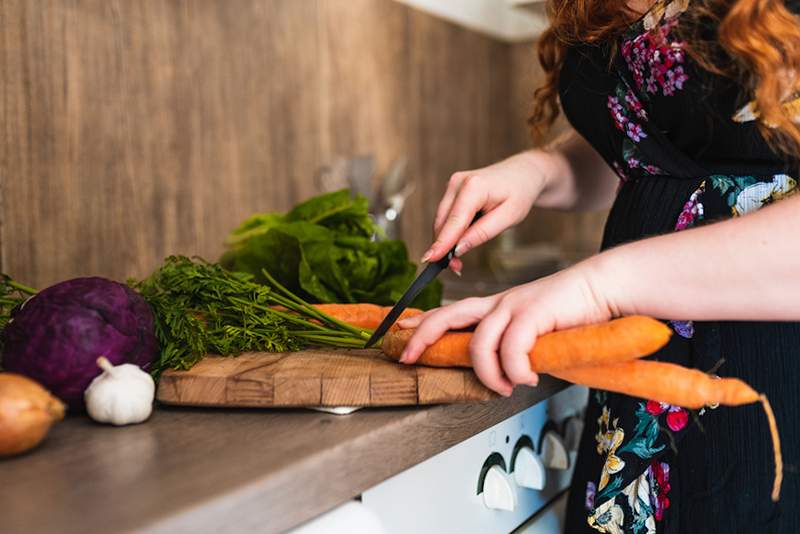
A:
(603, 356)
(663, 382)
(363, 315)
(679, 386)
(614, 341)
(360, 315)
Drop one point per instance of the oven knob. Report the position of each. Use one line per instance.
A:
(554, 452)
(573, 428)
(497, 491)
(529, 470)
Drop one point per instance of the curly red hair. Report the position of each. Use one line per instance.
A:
(757, 43)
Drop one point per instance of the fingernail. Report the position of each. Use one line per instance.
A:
(507, 392)
(402, 356)
(427, 256)
(461, 248)
(457, 273)
(534, 382)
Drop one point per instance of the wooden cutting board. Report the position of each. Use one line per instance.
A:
(316, 378)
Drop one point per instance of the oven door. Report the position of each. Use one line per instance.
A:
(549, 520)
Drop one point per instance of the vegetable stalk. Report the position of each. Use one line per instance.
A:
(202, 308)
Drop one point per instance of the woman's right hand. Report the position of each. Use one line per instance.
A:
(504, 192)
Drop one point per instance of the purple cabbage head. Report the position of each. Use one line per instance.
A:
(56, 336)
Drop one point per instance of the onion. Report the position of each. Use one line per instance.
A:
(27, 411)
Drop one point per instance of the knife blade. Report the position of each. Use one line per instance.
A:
(425, 277)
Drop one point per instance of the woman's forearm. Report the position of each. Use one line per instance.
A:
(747, 268)
(576, 177)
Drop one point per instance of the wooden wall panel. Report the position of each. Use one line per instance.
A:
(137, 129)
(502, 116)
(134, 129)
(454, 106)
(364, 66)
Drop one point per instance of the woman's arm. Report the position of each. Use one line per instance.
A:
(576, 177)
(747, 268)
(740, 269)
(568, 174)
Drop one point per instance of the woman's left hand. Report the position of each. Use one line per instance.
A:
(509, 323)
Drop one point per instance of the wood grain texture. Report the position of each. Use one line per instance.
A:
(216, 470)
(457, 113)
(141, 129)
(364, 65)
(316, 378)
(136, 129)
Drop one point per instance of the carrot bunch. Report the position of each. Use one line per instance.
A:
(601, 356)
(605, 356)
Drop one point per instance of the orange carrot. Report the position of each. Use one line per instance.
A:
(363, 315)
(614, 341)
(663, 382)
(679, 386)
(603, 356)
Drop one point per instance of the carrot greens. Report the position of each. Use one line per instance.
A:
(202, 308)
(12, 294)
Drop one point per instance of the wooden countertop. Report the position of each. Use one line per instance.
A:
(206, 470)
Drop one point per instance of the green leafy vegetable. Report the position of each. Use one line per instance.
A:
(12, 294)
(325, 250)
(202, 308)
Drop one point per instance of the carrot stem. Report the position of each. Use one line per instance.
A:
(301, 306)
(21, 287)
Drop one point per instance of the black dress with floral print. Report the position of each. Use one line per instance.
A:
(686, 147)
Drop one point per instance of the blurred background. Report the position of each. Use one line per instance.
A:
(137, 129)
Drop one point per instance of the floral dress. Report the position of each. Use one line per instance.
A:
(686, 147)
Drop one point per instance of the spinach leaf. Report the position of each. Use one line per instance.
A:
(254, 226)
(327, 249)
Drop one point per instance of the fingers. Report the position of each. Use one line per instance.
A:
(456, 265)
(515, 347)
(436, 322)
(469, 200)
(414, 321)
(453, 186)
(483, 348)
(484, 229)
(499, 347)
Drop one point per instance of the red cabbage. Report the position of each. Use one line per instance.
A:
(56, 336)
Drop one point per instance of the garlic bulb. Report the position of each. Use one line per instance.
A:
(121, 395)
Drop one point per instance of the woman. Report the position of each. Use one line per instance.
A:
(685, 113)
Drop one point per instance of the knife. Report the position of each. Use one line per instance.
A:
(425, 277)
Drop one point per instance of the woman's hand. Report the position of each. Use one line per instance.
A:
(656, 276)
(503, 192)
(509, 323)
(567, 175)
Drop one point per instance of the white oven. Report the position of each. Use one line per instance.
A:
(511, 477)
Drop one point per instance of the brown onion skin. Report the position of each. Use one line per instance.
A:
(27, 410)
